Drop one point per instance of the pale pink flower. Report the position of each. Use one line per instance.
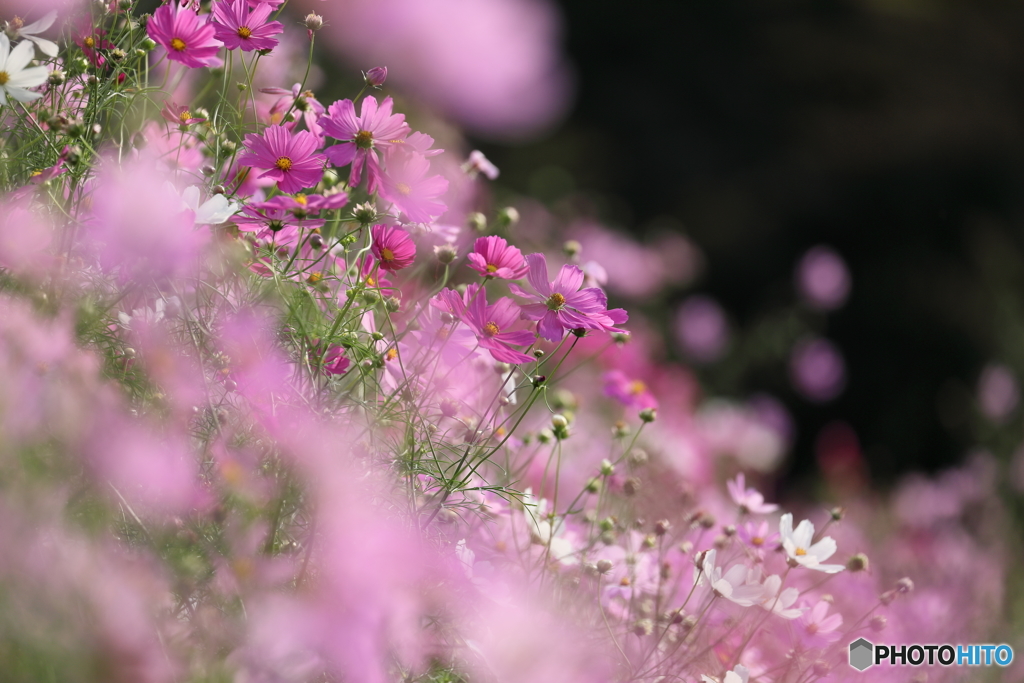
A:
(749, 500)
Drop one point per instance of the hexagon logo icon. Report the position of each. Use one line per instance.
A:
(861, 654)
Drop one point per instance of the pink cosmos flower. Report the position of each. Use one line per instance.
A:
(335, 362)
(186, 38)
(178, 114)
(818, 629)
(291, 159)
(758, 536)
(414, 195)
(495, 325)
(748, 500)
(243, 28)
(493, 256)
(304, 101)
(91, 40)
(303, 205)
(562, 305)
(393, 247)
(362, 136)
(478, 163)
(633, 393)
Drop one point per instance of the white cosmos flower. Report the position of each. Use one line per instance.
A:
(14, 77)
(801, 551)
(213, 211)
(781, 604)
(738, 585)
(740, 674)
(30, 31)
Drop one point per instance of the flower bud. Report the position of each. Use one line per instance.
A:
(56, 77)
(507, 217)
(904, 585)
(370, 297)
(545, 436)
(477, 221)
(607, 468)
(837, 513)
(662, 526)
(620, 430)
(729, 530)
(720, 541)
(857, 563)
(637, 457)
(365, 213)
(607, 524)
(877, 623)
(538, 380)
(620, 337)
(316, 241)
(593, 486)
(117, 54)
(648, 415)
(538, 353)
(706, 521)
(148, 44)
(887, 597)
(445, 253)
(218, 189)
(604, 566)
(572, 248)
(313, 21)
(631, 486)
(376, 76)
(392, 304)
(644, 627)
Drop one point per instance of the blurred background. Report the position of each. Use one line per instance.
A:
(848, 179)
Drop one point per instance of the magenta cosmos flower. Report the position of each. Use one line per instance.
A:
(494, 256)
(495, 326)
(186, 38)
(377, 128)
(291, 160)
(393, 247)
(562, 305)
(245, 28)
(407, 186)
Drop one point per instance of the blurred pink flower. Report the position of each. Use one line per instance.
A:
(495, 66)
(817, 369)
(138, 222)
(998, 392)
(823, 279)
(750, 501)
(633, 393)
(702, 329)
(406, 185)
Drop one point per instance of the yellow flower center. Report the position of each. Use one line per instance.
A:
(391, 354)
(387, 255)
(283, 163)
(301, 199)
(757, 540)
(370, 282)
(244, 31)
(636, 387)
(185, 116)
(812, 629)
(555, 301)
(364, 139)
(91, 42)
(315, 277)
(625, 581)
(4, 77)
(176, 43)
(403, 188)
(800, 552)
(490, 329)
(491, 268)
